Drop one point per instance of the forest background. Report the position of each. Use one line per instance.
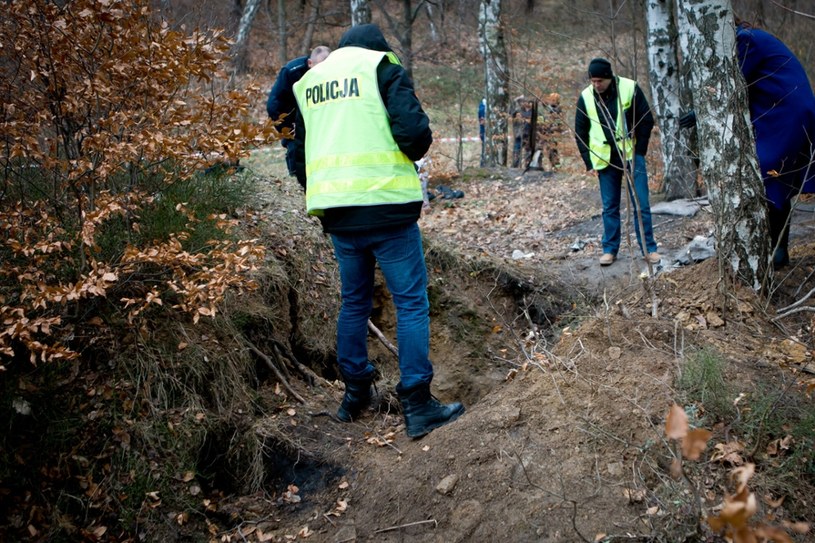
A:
(166, 359)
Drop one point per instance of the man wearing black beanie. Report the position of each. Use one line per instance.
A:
(614, 109)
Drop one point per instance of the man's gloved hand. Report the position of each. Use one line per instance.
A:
(688, 120)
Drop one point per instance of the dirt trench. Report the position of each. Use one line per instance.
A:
(566, 384)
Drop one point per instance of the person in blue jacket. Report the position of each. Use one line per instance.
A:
(482, 127)
(782, 111)
(281, 98)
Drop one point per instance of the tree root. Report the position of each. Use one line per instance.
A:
(276, 370)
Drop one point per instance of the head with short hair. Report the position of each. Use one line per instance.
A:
(318, 54)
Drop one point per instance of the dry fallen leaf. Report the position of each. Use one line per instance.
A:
(694, 443)
(676, 423)
(635, 495)
(728, 453)
(771, 503)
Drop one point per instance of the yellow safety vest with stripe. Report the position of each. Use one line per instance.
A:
(351, 156)
(598, 146)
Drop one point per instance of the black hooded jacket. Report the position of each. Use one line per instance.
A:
(410, 127)
(638, 116)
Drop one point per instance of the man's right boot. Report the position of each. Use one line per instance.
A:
(357, 397)
(423, 413)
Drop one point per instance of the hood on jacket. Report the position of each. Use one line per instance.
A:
(367, 36)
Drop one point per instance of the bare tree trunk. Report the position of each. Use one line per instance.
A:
(434, 34)
(360, 12)
(282, 33)
(680, 171)
(403, 30)
(406, 37)
(727, 149)
(308, 36)
(239, 55)
(494, 52)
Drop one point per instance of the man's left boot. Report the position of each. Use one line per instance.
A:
(424, 413)
(779, 235)
(357, 397)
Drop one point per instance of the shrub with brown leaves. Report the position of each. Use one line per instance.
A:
(99, 96)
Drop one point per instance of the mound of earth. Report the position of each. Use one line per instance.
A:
(567, 371)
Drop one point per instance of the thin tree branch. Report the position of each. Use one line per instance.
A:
(795, 11)
(378, 333)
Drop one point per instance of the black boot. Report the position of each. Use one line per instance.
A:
(779, 235)
(423, 413)
(357, 397)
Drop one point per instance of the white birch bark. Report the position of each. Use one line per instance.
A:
(494, 52)
(434, 33)
(360, 12)
(726, 146)
(679, 171)
(242, 36)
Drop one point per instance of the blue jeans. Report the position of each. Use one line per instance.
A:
(401, 258)
(611, 180)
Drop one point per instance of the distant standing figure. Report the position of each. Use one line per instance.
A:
(281, 98)
(482, 127)
(363, 127)
(521, 130)
(598, 121)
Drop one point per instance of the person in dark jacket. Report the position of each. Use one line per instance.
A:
(782, 110)
(610, 140)
(360, 127)
(281, 98)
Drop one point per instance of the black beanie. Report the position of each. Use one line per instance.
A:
(600, 67)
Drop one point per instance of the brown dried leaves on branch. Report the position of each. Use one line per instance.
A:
(738, 509)
(100, 99)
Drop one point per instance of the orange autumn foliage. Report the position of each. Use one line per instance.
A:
(97, 97)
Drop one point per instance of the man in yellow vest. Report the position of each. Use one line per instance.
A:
(613, 123)
(363, 127)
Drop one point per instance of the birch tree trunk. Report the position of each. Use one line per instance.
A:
(726, 146)
(680, 171)
(434, 33)
(239, 53)
(360, 12)
(494, 52)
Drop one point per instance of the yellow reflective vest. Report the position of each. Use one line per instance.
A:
(599, 148)
(351, 156)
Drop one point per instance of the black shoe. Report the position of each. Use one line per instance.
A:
(357, 397)
(423, 413)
